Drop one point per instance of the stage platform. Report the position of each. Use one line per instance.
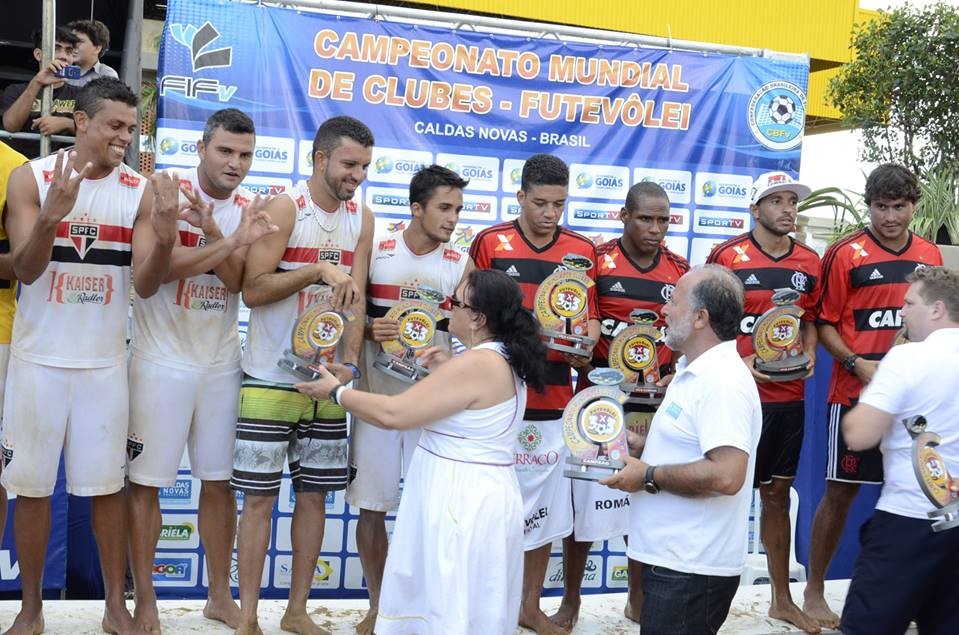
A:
(600, 615)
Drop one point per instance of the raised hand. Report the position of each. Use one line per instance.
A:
(64, 188)
(255, 223)
(166, 205)
(197, 212)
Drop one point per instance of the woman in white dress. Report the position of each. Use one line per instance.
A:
(455, 564)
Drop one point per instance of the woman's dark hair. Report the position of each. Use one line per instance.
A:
(499, 298)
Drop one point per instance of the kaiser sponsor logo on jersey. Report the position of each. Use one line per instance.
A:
(201, 297)
(397, 165)
(677, 183)
(707, 221)
(722, 190)
(177, 147)
(478, 207)
(68, 288)
(388, 200)
(175, 569)
(599, 181)
(266, 186)
(273, 154)
(593, 215)
(129, 180)
(482, 172)
(206, 52)
(512, 175)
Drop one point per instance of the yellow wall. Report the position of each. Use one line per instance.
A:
(819, 28)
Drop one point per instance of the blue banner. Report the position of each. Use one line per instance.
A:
(702, 125)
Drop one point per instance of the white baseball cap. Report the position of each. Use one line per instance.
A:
(766, 184)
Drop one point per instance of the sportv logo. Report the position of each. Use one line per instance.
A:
(390, 200)
(720, 221)
(202, 56)
(586, 213)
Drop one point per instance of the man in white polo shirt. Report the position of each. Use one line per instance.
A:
(905, 570)
(693, 481)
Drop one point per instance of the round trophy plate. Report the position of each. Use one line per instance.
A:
(931, 470)
(318, 328)
(777, 339)
(601, 421)
(417, 321)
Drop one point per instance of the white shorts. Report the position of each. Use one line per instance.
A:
(599, 513)
(173, 408)
(81, 412)
(540, 458)
(378, 459)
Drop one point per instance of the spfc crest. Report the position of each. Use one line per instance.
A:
(83, 235)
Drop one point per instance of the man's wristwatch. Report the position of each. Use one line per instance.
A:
(849, 363)
(353, 369)
(650, 485)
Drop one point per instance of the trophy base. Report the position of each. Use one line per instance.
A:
(642, 394)
(566, 343)
(298, 367)
(950, 517)
(788, 370)
(398, 369)
(591, 469)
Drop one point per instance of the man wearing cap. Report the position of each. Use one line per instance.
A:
(766, 259)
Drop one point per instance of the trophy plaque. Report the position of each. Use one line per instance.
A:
(777, 341)
(315, 336)
(633, 353)
(561, 304)
(417, 322)
(932, 474)
(594, 428)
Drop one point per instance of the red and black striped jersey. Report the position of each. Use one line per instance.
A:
(864, 285)
(504, 247)
(624, 286)
(761, 274)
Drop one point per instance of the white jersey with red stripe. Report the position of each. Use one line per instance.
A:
(395, 272)
(317, 236)
(75, 314)
(191, 323)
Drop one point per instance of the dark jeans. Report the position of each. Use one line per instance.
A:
(677, 602)
(904, 572)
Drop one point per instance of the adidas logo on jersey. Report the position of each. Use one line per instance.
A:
(752, 279)
(512, 271)
(875, 275)
(617, 288)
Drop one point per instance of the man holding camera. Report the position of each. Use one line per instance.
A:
(20, 103)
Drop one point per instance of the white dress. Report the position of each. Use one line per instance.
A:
(455, 563)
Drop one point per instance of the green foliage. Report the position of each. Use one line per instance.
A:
(938, 207)
(846, 217)
(902, 88)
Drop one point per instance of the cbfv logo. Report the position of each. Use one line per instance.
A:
(776, 115)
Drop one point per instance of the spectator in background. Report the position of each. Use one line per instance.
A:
(93, 40)
(20, 103)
